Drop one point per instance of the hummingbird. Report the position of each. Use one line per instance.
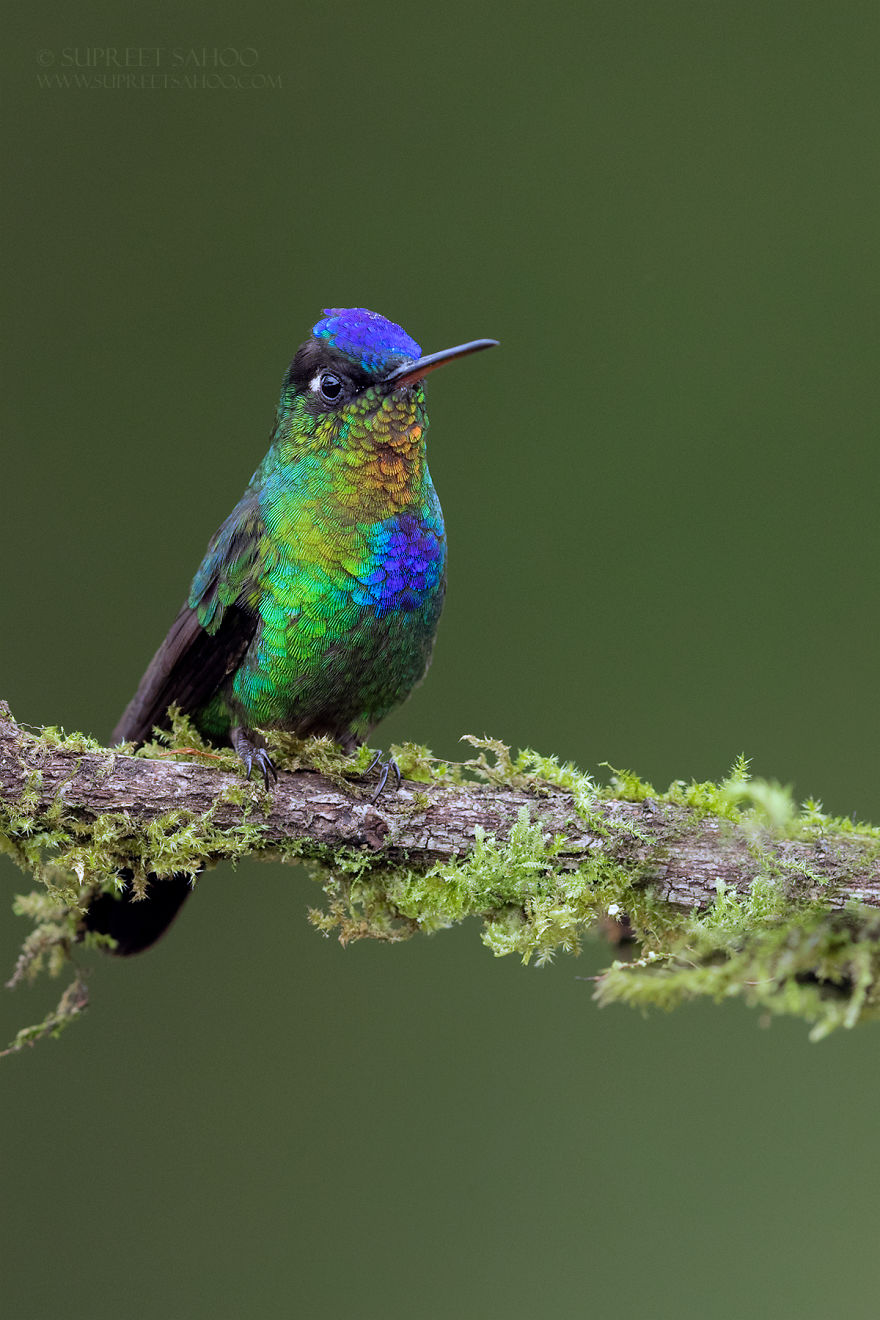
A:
(315, 607)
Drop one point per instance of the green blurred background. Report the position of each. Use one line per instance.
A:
(661, 501)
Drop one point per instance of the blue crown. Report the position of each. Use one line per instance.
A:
(366, 337)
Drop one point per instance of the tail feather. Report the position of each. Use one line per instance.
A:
(137, 925)
(190, 667)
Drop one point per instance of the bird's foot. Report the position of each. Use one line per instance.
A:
(385, 766)
(252, 751)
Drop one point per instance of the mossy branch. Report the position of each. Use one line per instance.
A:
(727, 889)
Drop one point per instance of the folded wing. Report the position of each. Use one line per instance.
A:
(208, 639)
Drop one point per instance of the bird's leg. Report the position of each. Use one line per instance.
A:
(384, 767)
(251, 748)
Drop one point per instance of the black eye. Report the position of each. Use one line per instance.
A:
(330, 386)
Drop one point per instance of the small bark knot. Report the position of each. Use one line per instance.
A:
(373, 831)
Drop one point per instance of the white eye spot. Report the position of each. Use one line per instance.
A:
(327, 385)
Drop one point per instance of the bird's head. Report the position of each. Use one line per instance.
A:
(359, 377)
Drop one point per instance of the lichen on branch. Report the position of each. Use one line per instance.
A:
(717, 889)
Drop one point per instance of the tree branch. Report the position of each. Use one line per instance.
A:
(681, 853)
(703, 876)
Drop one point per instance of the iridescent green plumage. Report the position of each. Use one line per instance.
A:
(315, 607)
(343, 634)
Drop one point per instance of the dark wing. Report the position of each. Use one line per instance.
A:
(188, 668)
(208, 639)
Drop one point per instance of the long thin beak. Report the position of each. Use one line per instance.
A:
(412, 371)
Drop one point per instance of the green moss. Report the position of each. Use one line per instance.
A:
(417, 763)
(73, 1002)
(53, 736)
(183, 742)
(72, 860)
(322, 755)
(825, 969)
(772, 947)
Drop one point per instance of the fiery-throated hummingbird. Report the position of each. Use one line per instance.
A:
(315, 607)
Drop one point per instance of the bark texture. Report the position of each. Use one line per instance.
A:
(680, 854)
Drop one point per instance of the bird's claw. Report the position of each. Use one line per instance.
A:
(265, 765)
(252, 753)
(384, 768)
